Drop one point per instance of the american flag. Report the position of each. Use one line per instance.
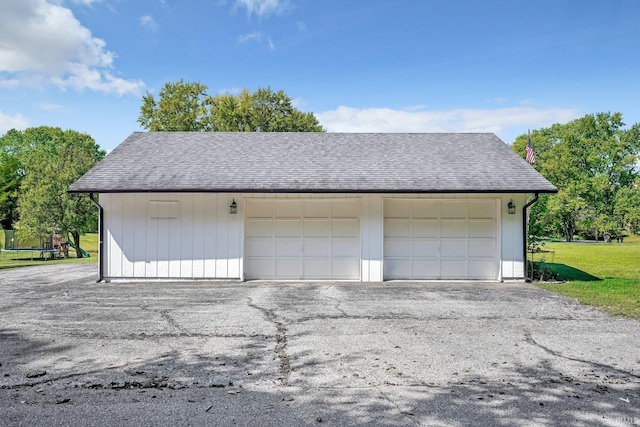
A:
(531, 158)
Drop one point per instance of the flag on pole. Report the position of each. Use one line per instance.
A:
(531, 158)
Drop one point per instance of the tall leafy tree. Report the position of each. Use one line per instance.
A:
(53, 160)
(185, 106)
(181, 106)
(627, 207)
(11, 174)
(594, 163)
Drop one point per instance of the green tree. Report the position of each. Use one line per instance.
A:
(11, 174)
(15, 148)
(263, 111)
(185, 106)
(627, 207)
(53, 159)
(180, 107)
(590, 160)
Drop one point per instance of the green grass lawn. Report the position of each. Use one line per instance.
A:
(88, 242)
(604, 275)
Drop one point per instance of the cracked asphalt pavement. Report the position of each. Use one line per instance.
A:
(76, 352)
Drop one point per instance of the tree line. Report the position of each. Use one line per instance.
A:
(37, 166)
(594, 161)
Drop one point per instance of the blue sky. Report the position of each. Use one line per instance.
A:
(359, 65)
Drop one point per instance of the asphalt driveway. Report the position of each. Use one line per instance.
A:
(73, 352)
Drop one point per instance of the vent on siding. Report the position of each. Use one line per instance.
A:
(163, 209)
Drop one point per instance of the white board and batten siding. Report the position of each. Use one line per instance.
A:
(512, 261)
(172, 235)
(365, 237)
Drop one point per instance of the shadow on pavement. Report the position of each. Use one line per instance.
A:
(190, 387)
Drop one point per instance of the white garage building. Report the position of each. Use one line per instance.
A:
(317, 206)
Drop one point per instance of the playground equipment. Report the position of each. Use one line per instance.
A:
(84, 253)
(13, 244)
(53, 247)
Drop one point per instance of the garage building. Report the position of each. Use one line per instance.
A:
(316, 206)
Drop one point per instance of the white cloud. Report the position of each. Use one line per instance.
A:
(263, 7)
(501, 121)
(50, 107)
(256, 36)
(86, 2)
(42, 42)
(230, 91)
(414, 108)
(17, 121)
(148, 22)
(299, 103)
(301, 26)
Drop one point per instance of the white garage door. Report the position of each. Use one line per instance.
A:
(302, 239)
(440, 239)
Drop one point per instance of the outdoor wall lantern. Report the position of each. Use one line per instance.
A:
(233, 208)
(512, 207)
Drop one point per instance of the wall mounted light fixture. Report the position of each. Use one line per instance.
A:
(233, 208)
(512, 207)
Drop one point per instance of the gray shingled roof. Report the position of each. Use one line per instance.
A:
(312, 162)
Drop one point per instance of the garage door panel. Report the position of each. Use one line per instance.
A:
(485, 209)
(317, 209)
(345, 209)
(259, 248)
(288, 228)
(397, 228)
(453, 248)
(425, 248)
(482, 269)
(288, 208)
(453, 269)
(287, 268)
(259, 228)
(288, 248)
(317, 228)
(453, 210)
(429, 269)
(398, 269)
(397, 248)
(316, 268)
(345, 268)
(344, 247)
(481, 248)
(453, 229)
(397, 209)
(426, 209)
(260, 268)
(261, 209)
(426, 228)
(344, 228)
(317, 247)
(481, 228)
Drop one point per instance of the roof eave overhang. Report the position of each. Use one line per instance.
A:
(319, 191)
